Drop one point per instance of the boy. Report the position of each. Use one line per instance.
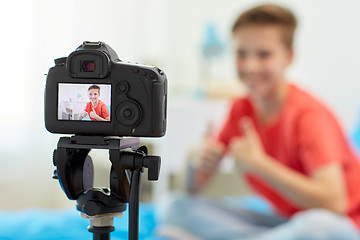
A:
(286, 144)
(95, 109)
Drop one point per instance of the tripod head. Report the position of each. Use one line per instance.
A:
(75, 172)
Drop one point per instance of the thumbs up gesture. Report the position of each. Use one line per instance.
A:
(93, 113)
(247, 150)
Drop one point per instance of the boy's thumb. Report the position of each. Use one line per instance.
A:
(247, 127)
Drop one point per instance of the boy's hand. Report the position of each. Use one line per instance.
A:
(93, 114)
(248, 150)
(83, 114)
(209, 155)
(207, 158)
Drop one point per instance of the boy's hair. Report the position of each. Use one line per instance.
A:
(94, 87)
(269, 14)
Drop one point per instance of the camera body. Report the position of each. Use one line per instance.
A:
(92, 92)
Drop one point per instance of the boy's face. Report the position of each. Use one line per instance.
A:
(261, 59)
(94, 95)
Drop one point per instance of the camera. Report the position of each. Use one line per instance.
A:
(92, 92)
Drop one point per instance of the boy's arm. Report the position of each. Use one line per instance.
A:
(324, 189)
(97, 117)
(93, 114)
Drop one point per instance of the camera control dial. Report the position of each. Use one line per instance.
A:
(128, 113)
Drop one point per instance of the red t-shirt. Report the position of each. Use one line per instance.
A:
(101, 110)
(305, 136)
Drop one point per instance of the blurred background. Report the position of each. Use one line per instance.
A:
(190, 41)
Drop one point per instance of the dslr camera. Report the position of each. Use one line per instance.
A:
(92, 92)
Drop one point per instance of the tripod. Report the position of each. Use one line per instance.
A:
(75, 172)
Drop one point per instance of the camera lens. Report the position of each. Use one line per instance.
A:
(88, 66)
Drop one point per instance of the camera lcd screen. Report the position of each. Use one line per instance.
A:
(84, 102)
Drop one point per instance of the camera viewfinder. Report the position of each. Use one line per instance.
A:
(88, 66)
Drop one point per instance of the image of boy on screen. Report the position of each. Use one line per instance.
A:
(95, 109)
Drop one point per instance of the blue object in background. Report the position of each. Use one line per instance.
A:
(355, 136)
(212, 45)
(39, 224)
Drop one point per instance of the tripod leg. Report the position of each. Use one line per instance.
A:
(134, 205)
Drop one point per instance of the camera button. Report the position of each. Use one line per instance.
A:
(128, 113)
(122, 87)
(152, 75)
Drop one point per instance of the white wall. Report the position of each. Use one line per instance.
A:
(327, 46)
(167, 33)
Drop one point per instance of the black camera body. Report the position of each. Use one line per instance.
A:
(127, 100)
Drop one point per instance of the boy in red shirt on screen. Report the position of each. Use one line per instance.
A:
(95, 109)
(287, 145)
